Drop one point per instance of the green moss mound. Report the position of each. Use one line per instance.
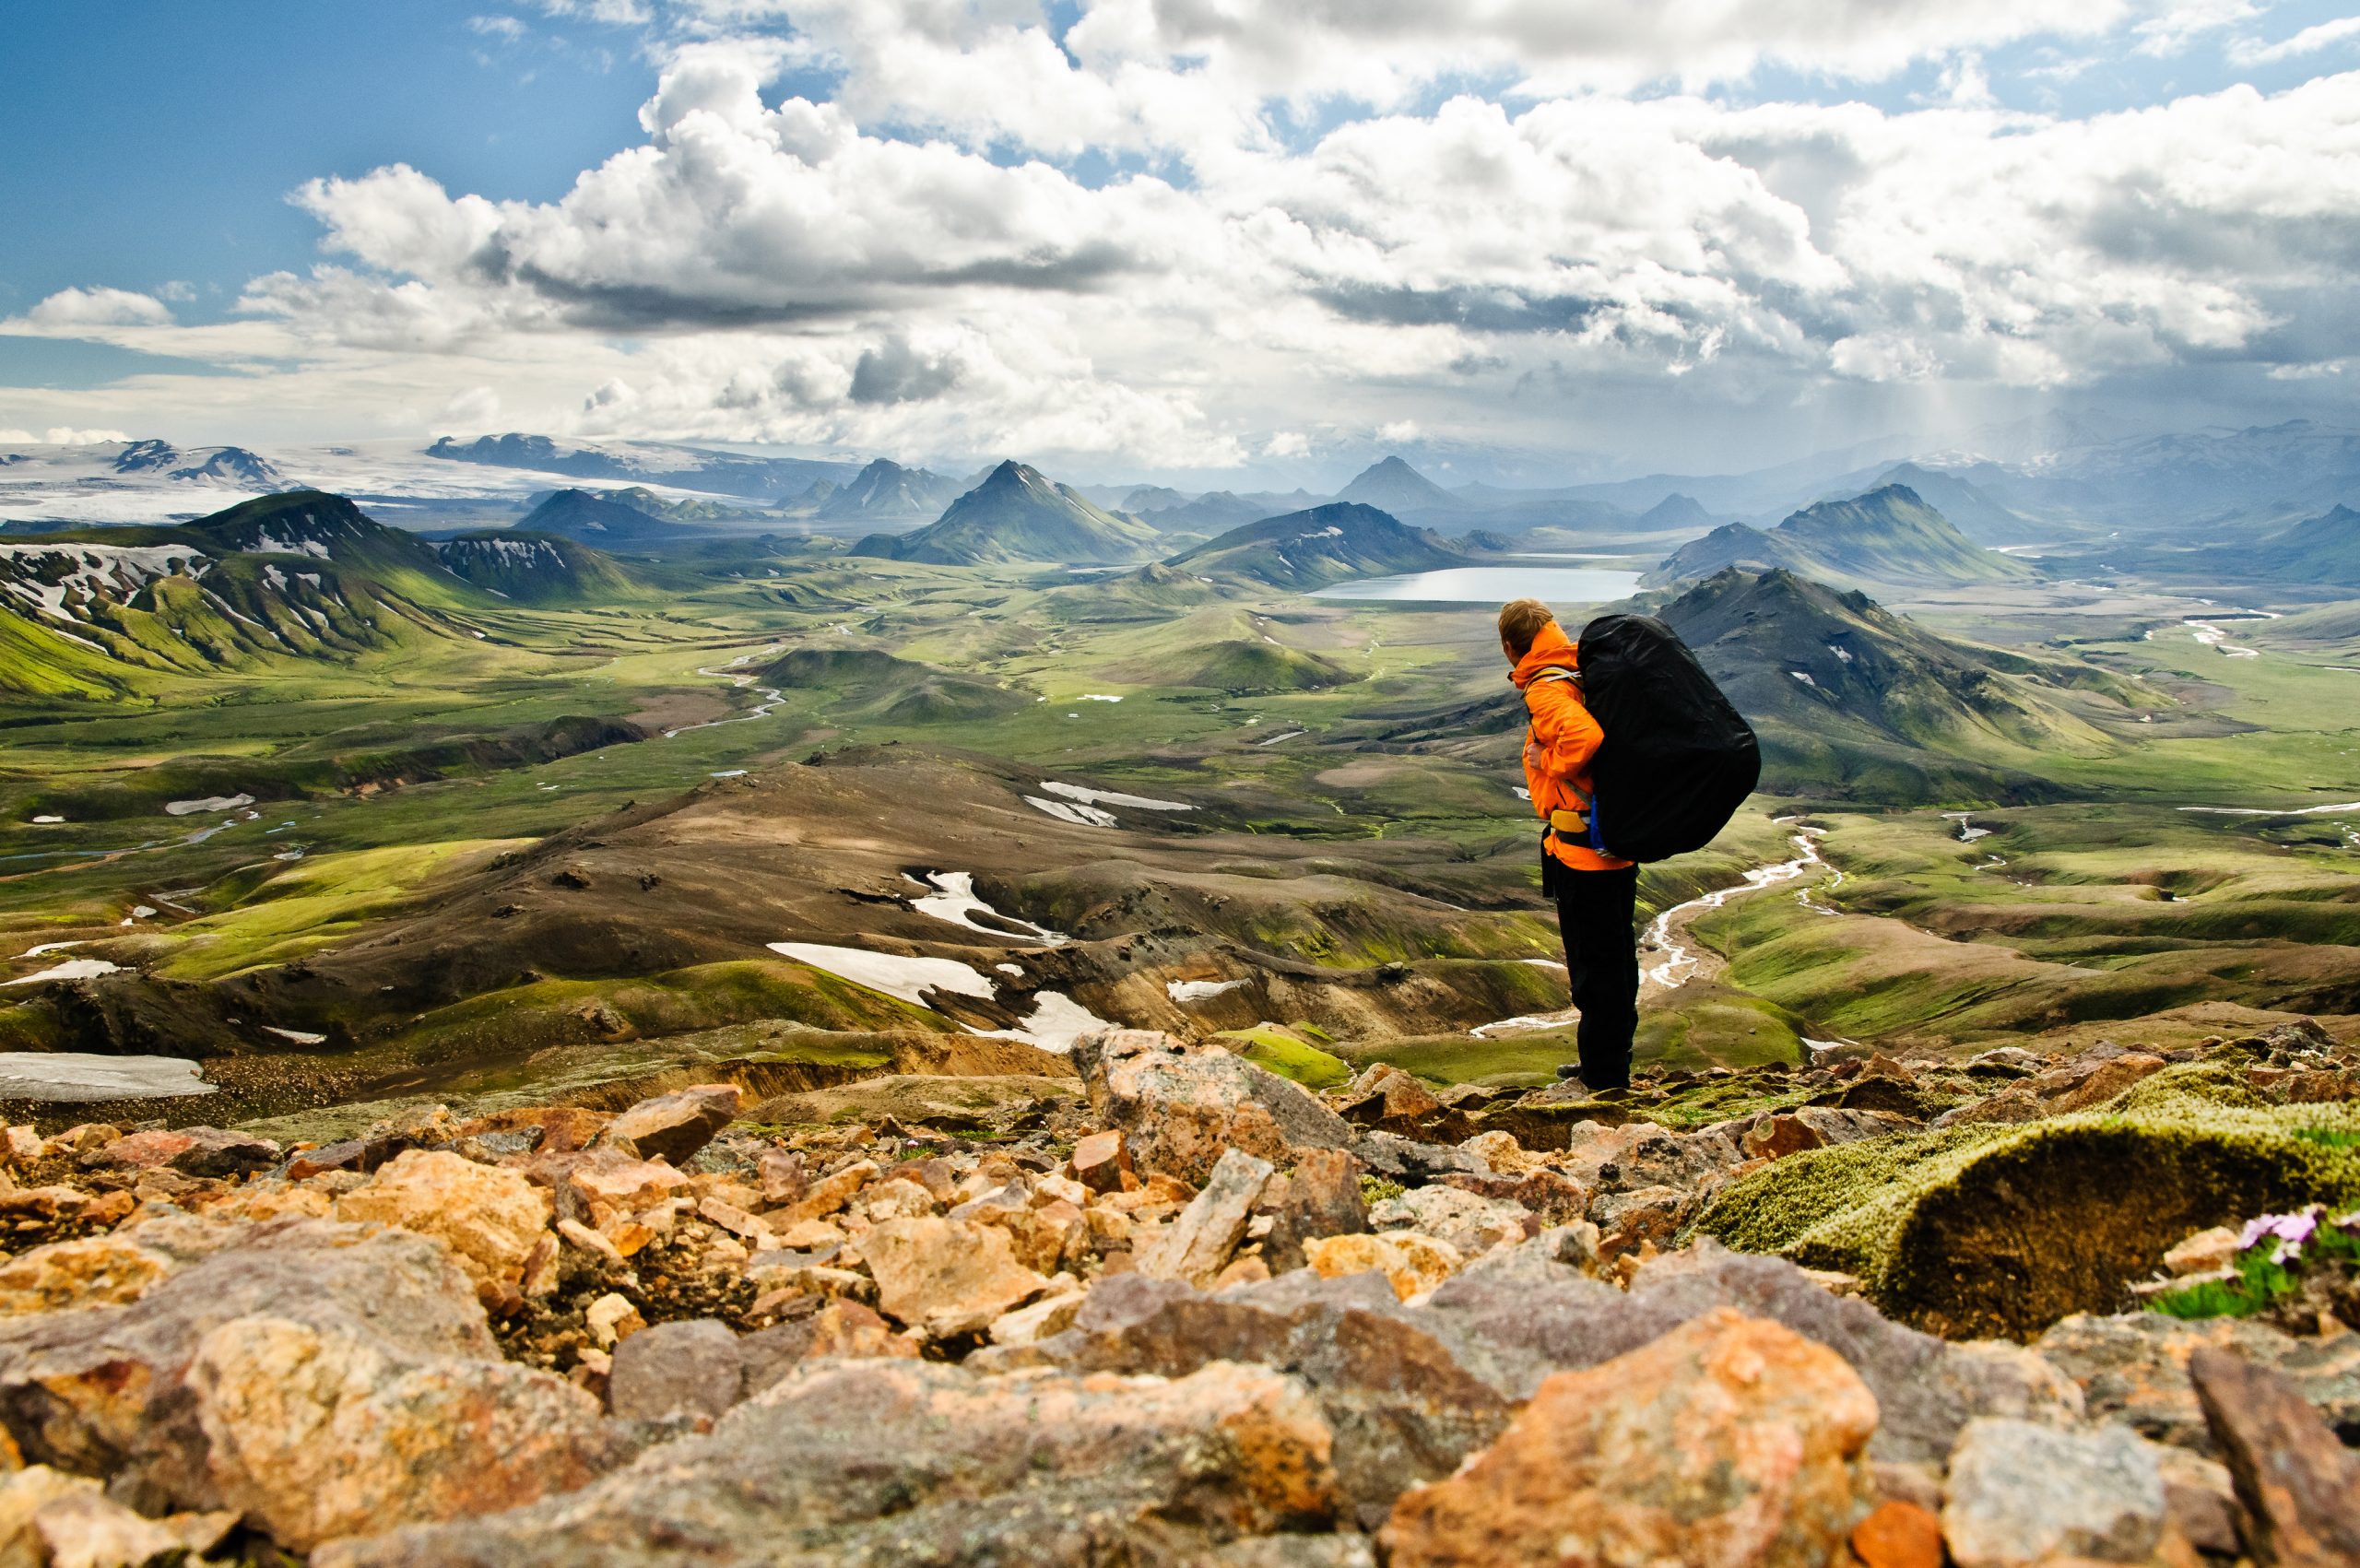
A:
(1281, 1052)
(1982, 1231)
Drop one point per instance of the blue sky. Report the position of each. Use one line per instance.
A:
(156, 141)
(1034, 227)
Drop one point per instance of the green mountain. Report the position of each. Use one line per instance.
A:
(601, 520)
(536, 569)
(1018, 514)
(1970, 510)
(1886, 536)
(1853, 700)
(297, 575)
(878, 685)
(1249, 668)
(1310, 550)
(2325, 549)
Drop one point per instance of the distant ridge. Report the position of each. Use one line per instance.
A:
(1852, 700)
(1886, 536)
(767, 479)
(886, 490)
(602, 520)
(1019, 513)
(1310, 550)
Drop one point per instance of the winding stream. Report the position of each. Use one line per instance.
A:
(1679, 964)
(772, 696)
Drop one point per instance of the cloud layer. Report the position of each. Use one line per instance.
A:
(1189, 233)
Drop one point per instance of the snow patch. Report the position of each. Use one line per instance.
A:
(46, 819)
(2252, 811)
(1056, 1022)
(1080, 815)
(69, 1075)
(1525, 1023)
(956, 902)
(1202, 990)
(300, 1037)
(1111, 797)
(72, 969)
(907, 979)
(40, 948)
(210, 803)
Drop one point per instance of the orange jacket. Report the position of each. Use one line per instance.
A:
(1563, 739)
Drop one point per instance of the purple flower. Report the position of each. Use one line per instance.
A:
(2297, 1228)
(2254, 1230)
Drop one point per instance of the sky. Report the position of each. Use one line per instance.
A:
(1222, 241)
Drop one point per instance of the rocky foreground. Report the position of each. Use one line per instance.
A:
(1194, 1313)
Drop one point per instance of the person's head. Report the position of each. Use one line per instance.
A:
(1520, 622)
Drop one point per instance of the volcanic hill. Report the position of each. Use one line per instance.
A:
(1018, 513)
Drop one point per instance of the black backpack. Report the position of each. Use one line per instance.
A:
(1678, 759)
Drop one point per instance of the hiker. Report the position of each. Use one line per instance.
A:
(1595, 893)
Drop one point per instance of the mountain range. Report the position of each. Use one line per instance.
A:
(298, 574)
(689, 467)
(1887, 537)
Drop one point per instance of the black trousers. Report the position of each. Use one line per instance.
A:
(1596, 912)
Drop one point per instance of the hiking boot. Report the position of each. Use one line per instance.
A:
(1569, 1072)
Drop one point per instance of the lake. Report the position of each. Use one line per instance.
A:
(1555, 585)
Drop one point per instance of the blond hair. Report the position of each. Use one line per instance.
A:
(1520, 622)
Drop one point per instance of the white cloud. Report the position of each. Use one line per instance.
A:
(610, 13)
(71, 308)
(2310, 40)
(2179, 23)
(918, 266)
(476, 408)
(66, 435)
(507, 28)
(17, 438)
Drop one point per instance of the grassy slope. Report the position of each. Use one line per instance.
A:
(1928, 941)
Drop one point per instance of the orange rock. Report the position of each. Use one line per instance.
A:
(1101, 1161)
(1898, 1535)
(1729, 1443)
